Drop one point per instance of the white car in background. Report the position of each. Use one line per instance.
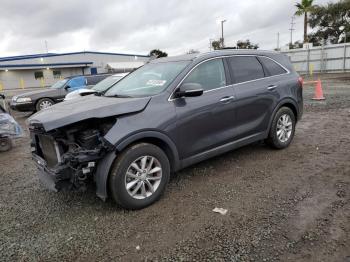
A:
(98, 88)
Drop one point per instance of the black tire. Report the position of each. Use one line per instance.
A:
(41, 101)
(273, 140)
(5, 144)
(118, 173)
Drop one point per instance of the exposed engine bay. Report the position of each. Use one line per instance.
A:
(70, 154)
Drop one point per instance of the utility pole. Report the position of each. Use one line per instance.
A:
(47, 51)
(222, 33)
(278, 41)
(291, 29)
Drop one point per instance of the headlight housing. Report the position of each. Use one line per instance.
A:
(23, 100)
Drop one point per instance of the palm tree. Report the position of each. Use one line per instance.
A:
(303, 9)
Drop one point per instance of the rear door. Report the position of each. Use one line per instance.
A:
(205, 121)
(255, 95)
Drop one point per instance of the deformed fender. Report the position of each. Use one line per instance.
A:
(151, 134)
(104, 166)
(101, 175)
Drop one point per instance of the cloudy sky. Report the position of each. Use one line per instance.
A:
(137, 26)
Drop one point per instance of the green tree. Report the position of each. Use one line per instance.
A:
(216, 44)
(246, 45)
(297, 44)
(303, 8)
(331, 21)
(158, 53)
(192, 51)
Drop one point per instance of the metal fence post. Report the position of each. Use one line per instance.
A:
(344, 58)
(322, 58)
(308, 61)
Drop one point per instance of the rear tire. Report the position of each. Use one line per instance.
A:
(44, 103)
(139, 176)
(282, 129)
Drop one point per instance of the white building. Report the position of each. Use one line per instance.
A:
(45, 69)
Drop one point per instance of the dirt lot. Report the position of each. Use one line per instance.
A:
(289, 205)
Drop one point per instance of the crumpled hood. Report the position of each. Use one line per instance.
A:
(69, 112)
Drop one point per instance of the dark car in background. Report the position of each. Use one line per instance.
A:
(168, 114)
(44, 98)
(100, 87)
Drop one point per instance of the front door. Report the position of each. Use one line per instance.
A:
(206, 121)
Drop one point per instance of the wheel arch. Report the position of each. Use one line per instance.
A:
(153, 137)
(41, 98)
(287, 102)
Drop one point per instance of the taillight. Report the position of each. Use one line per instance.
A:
(301, 81)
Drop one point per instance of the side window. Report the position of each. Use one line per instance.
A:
(245, 68)
(272, 67)
(77, 82)
(210, 74)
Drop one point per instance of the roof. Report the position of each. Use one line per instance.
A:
(224, 52)
(188, 57)
(21, 57)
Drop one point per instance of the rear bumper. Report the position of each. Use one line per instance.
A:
(22, 107)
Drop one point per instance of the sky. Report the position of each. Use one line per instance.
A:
(138, 26)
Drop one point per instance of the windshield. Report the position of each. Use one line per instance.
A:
(106, 83)
(150, 79)
(59, 84)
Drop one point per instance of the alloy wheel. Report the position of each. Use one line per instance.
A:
(284, 128)
(45, 104)
(143, 177)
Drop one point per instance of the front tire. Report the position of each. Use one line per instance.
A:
(139, 176)
(282, 129)
(44, 103)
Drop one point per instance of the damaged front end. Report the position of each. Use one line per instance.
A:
(67, 157)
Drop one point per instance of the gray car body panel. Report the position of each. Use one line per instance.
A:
(193, 128)
(70, 112)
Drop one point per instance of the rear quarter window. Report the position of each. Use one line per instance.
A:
(272, 67)
(245, 68)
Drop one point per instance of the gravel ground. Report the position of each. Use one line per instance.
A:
(289, 205)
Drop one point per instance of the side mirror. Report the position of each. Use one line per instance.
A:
(2, 96)
(189, 90)
(67, 87)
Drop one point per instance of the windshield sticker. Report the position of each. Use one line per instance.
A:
(156, 82)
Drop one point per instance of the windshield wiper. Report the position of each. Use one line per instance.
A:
(119, 96)
(98, 93)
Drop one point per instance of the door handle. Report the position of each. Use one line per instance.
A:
(227, 99)
(271, 87)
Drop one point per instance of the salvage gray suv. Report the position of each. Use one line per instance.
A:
(169, 114)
